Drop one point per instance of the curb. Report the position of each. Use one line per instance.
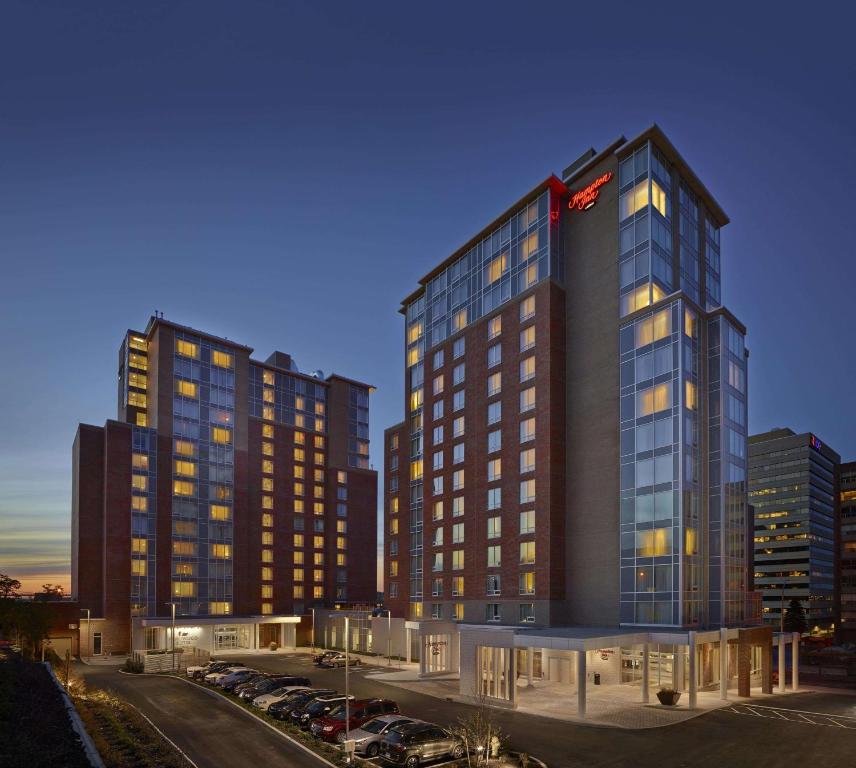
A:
(89, 747)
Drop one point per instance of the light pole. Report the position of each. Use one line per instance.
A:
(388, 637)
(88, 630)
(347, 702)
(313, 631)
(172, 605)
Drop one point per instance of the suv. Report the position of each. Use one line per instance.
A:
(367, 739)
(316, 708)
(334, 727)
(283, 708)
(417, 743)
(235, 678)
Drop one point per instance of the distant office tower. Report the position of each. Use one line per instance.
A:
(793, 489)
(847, 554)
(574, 446)
(236, 492)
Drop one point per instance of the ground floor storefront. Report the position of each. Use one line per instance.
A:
(214, 635)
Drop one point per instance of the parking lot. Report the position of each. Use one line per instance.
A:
(732, 736)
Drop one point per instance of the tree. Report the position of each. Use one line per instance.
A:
(480, 733)
(8, 587)
(33, 621)
(795, 620)
(50, 592)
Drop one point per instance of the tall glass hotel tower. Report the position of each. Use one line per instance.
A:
(574, 445)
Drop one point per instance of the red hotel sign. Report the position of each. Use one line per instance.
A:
(587, 197)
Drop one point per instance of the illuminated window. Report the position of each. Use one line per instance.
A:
(494, 327)
(142, 420)
(458, 612)
(654, 543)
(416, 470)
(267, 573)
(318, 491)
(267, 555)
(221, 551)
(298, 506)
(318, 558)
(137, 399)
(222, 435)
(633, 200)
(139, 482)
(185, 468)
(527, 521)
(186, 348)
(531, 274)
(267, 466)
(222, 359)
(318, 475)
(267, 520)
(138, 361)
(319, 442)
(653, 399)
(299, 472)
(267, 609)
(317, 575)
(222, 492)
(298, 557)
(527, 308)
(459, 320)
(654, 328)
(527, 399)
(414, 355)
(267, 502)
(185, 448)
(139, 503)
(318, 508)
(494, 384)
(527, 338)
(184, 548)
(220, 608)
(299, 454)
(267, 591)
(298, 489)
(297, 591)
(527, 430)
(496, 267)
(140, 461)
(341, 542)
(184, 589)
(527, 460)
(184, 569)
(267, 484)
(268, 378)
(300, 438)
(691, 397)
(659, 199)
(267, 430)
(527, 583)
(137, 380)
(414, 332)
(318, 542)
(183, 488)
(527, 491)
(220, 512)
(268, 396)
(186, 388)
(135, 342)
(438, 384)
(416, 399)
(319, 408)
(527, 552)
(298, 540)
(458, 557)
(267, 449)
(458, 586)
(139, 546)
(494, 470)
(267, 413)
(318, 593)
(393, 505)
(341, 559)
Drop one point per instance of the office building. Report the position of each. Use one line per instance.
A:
(793, 490)
(234, 491)
(846, 578)
(573, 452)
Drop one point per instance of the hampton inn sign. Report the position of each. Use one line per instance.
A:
(587, 197)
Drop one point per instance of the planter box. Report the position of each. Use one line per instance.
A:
(668, 698)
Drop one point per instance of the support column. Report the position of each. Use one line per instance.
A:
(581, 683)
(512, 676)
(795, 662)
(530, 666)
(693, 685)
(723, 663)
(423, 655)
(407, 644)
(645, 674)
(782, 664)
(678, 669)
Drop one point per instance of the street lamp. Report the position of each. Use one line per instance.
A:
(313, 631)
(347, 703)
(388, 637)
(172, 605)
(88, 630)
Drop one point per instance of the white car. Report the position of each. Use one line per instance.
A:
(278, 694)
(368, 736)
(216, 677)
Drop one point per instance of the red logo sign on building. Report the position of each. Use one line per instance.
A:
(587, 197)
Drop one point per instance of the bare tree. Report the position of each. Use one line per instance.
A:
(480, 733)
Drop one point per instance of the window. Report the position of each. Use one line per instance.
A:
(527, 308)
(458, 400)
(527, 338)
(527, 399)
(183, 488)
(527, 368)
(494, 527)
(457, 611)
(457, 586)
(438, 410)
(458, 506)
(494, 355)
(494, 440)
(494, 470)
(437, 437)
(224, 436)
(183, 589)
(527, 521)
(186, 388)
(527, 491)
(267, 573)
(458, 480)
(220, 512)
(139, 503)
(691, 399)
(458, 453)
(221, 359)
(393, 568)
(494, 556)
(186, 468)
(654, 399)
(494, 384)
(437, 563)
(458, 374)
(527, 552)
(138, 567)
(437, 485)
(458, 560)
(137, 399)
(393, 526)
(458, 348)
(436, 587)
(494, 498)
(438, 359)
(527, 612)
(494, 327)
(267, 520)
(458, 533)
(437, 510)
(185, 448)
(527, 460)
(139, 546)
(437, 460)
(298, 540)
(496, 267)
(437, 385)
(527, 583)
(493, 584)
(184, 548)
(186, 348)
(416, 399)
(437, 539)
(221, 551)
(458, 427)
(140, 461)
(493, 612)
(494, 412)
(459, 320)
(654, 328)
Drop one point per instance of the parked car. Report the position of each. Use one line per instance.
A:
(367, 738)
(213, 677)
(338, 660)
(196, 672)
(264, 700)
(334, 726)
(417, 743)
(283, 708)
(254, 680)
(233, 678)
(319, 657)
(316, 708)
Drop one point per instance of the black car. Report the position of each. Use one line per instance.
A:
(256, 679)
(316, 708)
(413, 744)
(241, 679)
(282, 710)
(271, 684)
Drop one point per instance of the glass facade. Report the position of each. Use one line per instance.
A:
(202, 477)
(143, 520)
(291, 400)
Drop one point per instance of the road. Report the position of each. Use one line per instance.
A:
(786, 732)
(211, 731)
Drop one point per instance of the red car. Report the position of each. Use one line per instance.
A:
(332, 726)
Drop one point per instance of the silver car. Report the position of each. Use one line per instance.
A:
(368, 737)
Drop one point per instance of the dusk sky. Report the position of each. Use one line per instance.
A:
(283, 173)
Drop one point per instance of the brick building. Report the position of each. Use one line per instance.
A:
(231, 490)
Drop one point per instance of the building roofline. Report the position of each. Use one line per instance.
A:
(394, 427)
(552, 181)
(157, 321)
(347, 380)
(594, 160)
(656, 134)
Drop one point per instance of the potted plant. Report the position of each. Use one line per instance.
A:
(668, 696)
(273, 646)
